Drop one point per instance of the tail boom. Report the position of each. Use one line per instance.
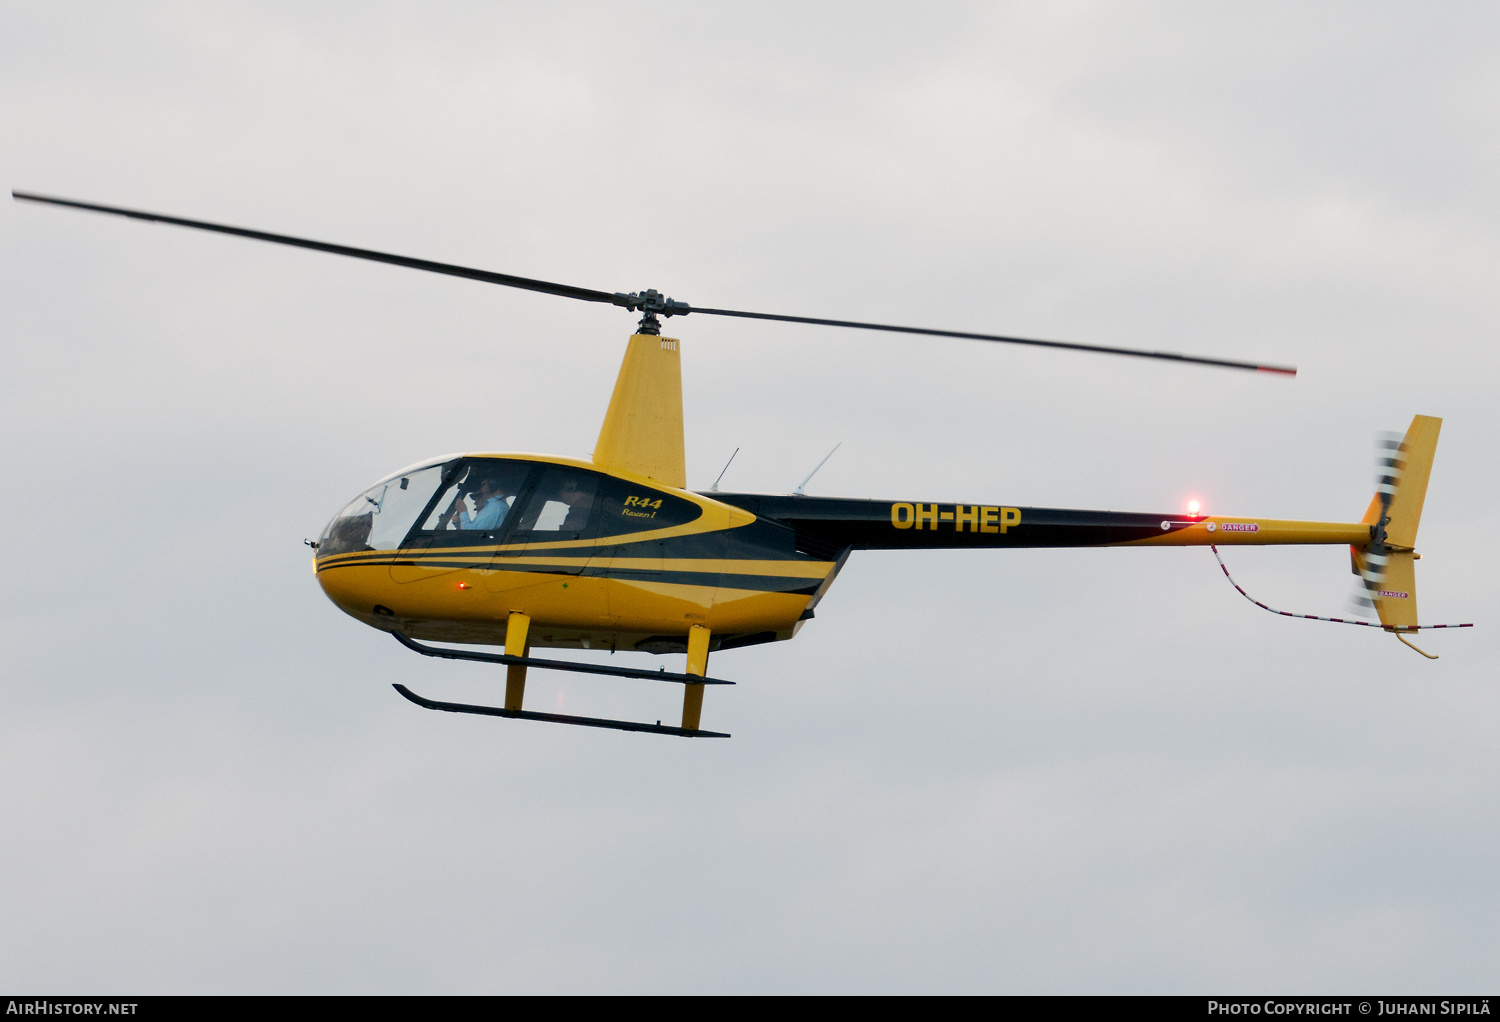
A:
(841, 523)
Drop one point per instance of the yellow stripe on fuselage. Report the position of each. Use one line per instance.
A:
(1221, 531)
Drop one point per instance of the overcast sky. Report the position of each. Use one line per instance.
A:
(1028, 771)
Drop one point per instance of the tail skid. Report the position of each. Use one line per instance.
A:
(1429, 656)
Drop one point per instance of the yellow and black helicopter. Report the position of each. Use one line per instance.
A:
(615, 553)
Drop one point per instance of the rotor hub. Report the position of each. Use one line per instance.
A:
(652, 303)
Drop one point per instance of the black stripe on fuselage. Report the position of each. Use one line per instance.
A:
(587, 563)
(836, 522)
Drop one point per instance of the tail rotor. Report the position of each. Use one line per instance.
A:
(1371, 565)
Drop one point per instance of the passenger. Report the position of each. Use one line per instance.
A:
(489, 509)
(579, 502)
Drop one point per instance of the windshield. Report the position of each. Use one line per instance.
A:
(380, 518)
(472, 502)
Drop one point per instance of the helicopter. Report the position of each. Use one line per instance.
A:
(529, 551)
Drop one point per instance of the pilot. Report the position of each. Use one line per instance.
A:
(489, 508)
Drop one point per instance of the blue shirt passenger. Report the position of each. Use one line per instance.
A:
(489, 509)
(489, 516)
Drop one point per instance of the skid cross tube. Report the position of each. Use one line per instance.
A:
(557, 665)
(556, 718)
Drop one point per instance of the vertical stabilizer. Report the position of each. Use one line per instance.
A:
(1410, 483)
(642, 431)
(1406, 506)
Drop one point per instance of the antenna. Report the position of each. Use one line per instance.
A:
(715, 486)
(798, 491)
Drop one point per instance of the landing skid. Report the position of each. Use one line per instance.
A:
(558, 665)
(557, 718)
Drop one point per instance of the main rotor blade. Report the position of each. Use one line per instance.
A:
(525, 283)
(650, 302)
(1170, 356)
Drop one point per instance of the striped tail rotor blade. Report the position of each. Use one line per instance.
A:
(1390, 462)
